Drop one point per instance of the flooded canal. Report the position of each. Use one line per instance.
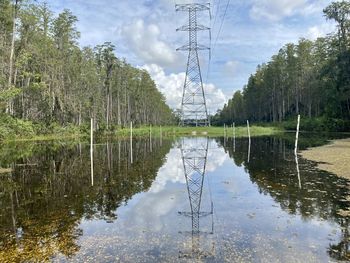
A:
(180, 200)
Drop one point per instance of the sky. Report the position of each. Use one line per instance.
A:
(144, 33)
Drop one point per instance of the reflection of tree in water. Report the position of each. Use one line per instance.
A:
(272, 168)
(49, 193)
(194, 154)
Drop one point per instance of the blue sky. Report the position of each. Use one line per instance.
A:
(143, 32)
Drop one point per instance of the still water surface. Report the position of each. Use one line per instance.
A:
(181, 200)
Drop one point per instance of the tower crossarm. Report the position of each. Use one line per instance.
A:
(190, 47)
(193, 28)
(192, 7)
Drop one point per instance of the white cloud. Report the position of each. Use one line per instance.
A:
(172, 86)
(173, 170)
(143, 32)
(169, 85)
(315, 7)
(231, 67)
(322, 30)
(144, 40)
(165, 195)
(215, 98)
(216, 158)
(277, 9)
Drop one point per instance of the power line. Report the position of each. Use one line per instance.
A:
(222, 22)
(217, 13)
(219, 32)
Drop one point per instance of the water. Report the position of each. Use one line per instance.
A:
(182, 200)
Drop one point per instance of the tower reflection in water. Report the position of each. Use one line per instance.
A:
(194, 153)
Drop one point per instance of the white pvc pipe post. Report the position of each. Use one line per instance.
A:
(296, 151)
(249, 141)
(161, 135)
(92, 151)
(150, 137)
(131, 155)
(297, 136)
(234, 137)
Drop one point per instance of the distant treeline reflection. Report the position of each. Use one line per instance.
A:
(49, 192)
(272, 168)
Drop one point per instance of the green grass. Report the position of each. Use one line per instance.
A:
(12, 129)
(169, 131)
(49, 137)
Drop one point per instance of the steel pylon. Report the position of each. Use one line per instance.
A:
(193, 106)
(194, 157)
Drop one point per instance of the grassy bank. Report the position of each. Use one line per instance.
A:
(13, 129)
(169, 131)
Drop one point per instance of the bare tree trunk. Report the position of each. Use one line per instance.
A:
(12, 51)
(13, 215)
(310, 109)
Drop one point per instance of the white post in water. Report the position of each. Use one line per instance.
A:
(131, 156)
(161, 135)
(297, 136)
(224, 134)
(298, 170)
(296, 151)
(92, 151)
(234, 137)
(248, 129)
(150, 137)
(249, 141)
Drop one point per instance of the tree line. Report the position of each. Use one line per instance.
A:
(46, 77)
(311, 78)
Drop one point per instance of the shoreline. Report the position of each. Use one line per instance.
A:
(333, 157)
(156, 131)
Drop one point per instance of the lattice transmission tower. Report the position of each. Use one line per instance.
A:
(194, 156)
(193, 107)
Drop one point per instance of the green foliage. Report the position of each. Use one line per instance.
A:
(311, 78)
(58, 82)
(12, 128)
(6, 95)
(322, 124)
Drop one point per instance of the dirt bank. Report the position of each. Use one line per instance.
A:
(334, 157)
